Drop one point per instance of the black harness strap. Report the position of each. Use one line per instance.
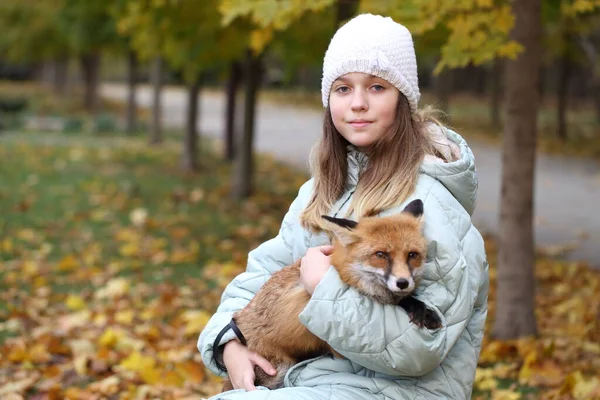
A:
(218, 350)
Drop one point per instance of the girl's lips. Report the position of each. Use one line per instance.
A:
(359, 124)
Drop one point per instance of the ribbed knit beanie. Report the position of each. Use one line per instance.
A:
(374, 45)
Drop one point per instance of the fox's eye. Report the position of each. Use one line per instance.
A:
(412, 255)
(381, 254)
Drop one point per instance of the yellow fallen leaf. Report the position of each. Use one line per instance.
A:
(75, 303)
(587, 389)
(505, 395)
(127, 235)
(109, 338)
(68, 263)
(172, 378)
(195, 320)
(138, 217)
(124, 317)
(485, 379)
(108, 386)
(74, 320)
(100, 319)
(179, 256)
(196, 195)
(27, 235)
(83, 350)
(129, 249)
(540, 372)
(128, 344)
(40, 281)
(17, 386)
(581, 388)
(145, 366)
(114, 288)
(80, 364)
(7, 245)
(18, 352)
(192, 371)
(30, 268)
(38, 353)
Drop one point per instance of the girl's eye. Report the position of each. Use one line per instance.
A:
(342, 89)
(378, 88)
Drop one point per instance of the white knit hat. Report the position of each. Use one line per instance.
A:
(374, 45)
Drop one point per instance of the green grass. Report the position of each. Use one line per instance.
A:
(72, 196)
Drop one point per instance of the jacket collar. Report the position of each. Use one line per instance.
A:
(357, 163)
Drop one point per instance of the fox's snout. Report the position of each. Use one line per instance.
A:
(401, 285)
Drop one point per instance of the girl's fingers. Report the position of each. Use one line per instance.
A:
(327, 249)
(249, 382)
(263, 363)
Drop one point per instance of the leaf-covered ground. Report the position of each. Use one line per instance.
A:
(112, 260)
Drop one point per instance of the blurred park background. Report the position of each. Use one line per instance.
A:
(147, 145)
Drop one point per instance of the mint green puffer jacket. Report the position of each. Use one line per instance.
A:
(387, 357)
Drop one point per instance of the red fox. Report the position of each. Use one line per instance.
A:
(380, 257)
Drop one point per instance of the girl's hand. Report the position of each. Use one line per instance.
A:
(314, 265)
(240, 364)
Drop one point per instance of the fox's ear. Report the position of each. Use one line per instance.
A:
(344, 223)
(343, 229)
(415, 208)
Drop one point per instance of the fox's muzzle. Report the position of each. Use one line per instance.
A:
(400, 285)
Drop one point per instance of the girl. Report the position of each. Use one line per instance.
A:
(377, 153)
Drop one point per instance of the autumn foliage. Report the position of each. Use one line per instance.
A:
(112, 261)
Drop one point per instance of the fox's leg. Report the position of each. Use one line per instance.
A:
(226, 385)
(420, 314)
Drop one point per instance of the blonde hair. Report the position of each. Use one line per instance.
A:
(392, 173)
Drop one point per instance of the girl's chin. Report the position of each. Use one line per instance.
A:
(361, 143)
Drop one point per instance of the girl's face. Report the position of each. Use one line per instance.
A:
(363, 108)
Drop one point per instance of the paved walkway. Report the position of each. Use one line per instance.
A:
(567, 190)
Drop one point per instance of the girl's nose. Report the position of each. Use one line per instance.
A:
(359, 101)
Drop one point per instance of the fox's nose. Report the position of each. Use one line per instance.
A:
(402, 283)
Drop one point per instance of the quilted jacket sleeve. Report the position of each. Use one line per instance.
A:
(262, 262)
(381, 337)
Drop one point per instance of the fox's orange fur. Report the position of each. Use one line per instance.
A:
(370, 256)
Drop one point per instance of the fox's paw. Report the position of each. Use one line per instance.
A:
(420, 314)
(426, 318)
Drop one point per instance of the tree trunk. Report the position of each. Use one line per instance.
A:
(588, 47)
(596, 98)
(156, 135)
(90, 68)
(61, 73)
(345, 9)
(515, 316)
(496, 93)
(189, 156)
(244, 166)
(235, 76)
(542, 83)
(562, 94)
(132, 77)
(47, 73)
(443, 85)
